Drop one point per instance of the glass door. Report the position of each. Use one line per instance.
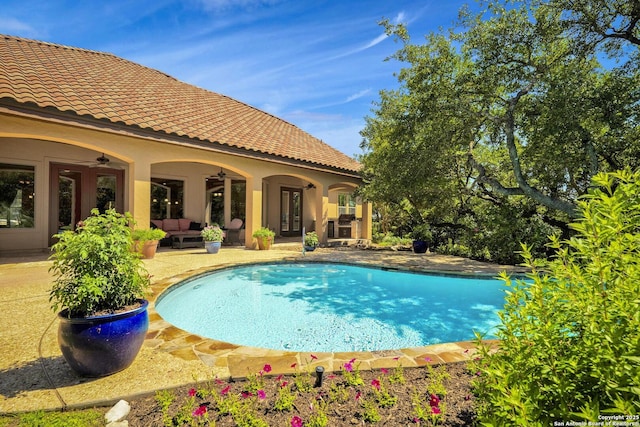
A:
(74, 190)
(291, 212)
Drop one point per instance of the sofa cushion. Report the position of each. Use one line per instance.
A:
(184, 224)
(170, 225)
(195, 226)
(157, 223)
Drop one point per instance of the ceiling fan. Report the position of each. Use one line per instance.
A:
(104, 162)
(220, 176)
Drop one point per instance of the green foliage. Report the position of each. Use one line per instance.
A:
(570, 337)
(264, 233)
(388, 239)
(383, 398)
(86, 418)
(397, 376)
(212, 233)
(95, 267)
(437, 377)
(311, 239)
(351, 374)
(285, 399)
(318, 417)
(165, 398)
(338, 394)
(143, 235)
(370, 412)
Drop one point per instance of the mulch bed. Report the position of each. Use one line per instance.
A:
(345, 403)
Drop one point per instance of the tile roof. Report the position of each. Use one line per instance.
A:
(104, 86)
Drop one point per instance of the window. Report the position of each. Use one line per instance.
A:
(167, 198)
(17, 192)
(346, 204)
(238, 199)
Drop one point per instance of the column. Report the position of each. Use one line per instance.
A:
(140, 193)
(254, 209)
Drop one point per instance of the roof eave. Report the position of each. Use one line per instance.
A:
(51, 114)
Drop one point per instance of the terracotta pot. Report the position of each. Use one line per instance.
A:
(264, 244)
(147, 248)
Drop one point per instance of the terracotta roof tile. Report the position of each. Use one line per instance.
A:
(107, 87)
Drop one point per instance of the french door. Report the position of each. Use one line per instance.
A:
(291, 212)
(74, 190)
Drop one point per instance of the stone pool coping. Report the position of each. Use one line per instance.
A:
(33, 374)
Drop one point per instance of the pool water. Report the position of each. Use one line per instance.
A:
(332, 307)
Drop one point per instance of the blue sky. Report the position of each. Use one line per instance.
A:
(317, 64)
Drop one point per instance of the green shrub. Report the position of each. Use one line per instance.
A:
(95, 268)
(148, 234)
(570, 337)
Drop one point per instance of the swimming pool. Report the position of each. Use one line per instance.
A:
(332, 307)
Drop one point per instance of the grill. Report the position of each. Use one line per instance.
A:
(344, 225)
(345, 219)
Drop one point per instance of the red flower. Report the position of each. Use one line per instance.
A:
(384, 370)
(434, 400)
(296, 421)
(245, 394)
(283, 384)
(352, 360)
(192, 392)
(225, 390)
(200, 411)
(293, 365)
(314, 357)
(358, 394)
(267, 368)
(348, 367)
(435, 410)
(262, 395)
(375, 383)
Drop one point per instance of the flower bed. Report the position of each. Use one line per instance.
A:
(433, 395)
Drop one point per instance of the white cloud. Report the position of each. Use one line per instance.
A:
(217, 5)
(14, 26)
(358, 95)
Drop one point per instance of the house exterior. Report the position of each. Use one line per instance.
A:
(81, 129)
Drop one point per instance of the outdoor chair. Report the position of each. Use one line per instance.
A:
(233, 229)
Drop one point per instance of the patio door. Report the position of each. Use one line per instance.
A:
(74, 190)
(290, 212)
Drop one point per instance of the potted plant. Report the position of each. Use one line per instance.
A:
(264, 237)
(99, 287)
(310, 241)
(422, 237)
(145, 241)
(212, 236)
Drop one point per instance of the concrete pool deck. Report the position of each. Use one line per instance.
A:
(34, 375)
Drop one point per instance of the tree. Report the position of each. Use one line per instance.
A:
(511, 106)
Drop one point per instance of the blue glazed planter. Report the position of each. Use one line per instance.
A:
(420, 246)
(103, 345)
(212, 247)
